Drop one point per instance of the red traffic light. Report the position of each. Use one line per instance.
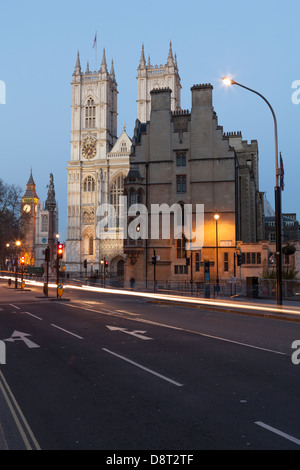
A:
(106, 264)
(60, 250)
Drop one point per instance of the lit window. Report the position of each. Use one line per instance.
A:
(181, 242)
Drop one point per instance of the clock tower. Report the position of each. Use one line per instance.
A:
(29, 205)
(97, 166)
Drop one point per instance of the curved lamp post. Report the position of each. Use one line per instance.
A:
(217, 217)
(229, 81)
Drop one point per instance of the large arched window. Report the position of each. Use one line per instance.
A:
(91, 246)
(90, 114)
(116, 190)
(89, 184)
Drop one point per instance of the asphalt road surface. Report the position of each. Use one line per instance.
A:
(113, 372)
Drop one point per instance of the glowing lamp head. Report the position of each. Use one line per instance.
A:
(216, 216)
(227, 81)
(18, 243)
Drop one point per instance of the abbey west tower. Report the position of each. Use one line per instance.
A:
(99, 162)
(157, 76)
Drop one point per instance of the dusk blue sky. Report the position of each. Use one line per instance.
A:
(256, 42)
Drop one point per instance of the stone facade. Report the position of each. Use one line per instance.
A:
(99, 162)
(183, 157)
(251, 224)
(157, 76)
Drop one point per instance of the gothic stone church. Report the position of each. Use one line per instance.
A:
(175, 156)
(100, 161)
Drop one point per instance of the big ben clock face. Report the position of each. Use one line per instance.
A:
(89, 150)
(26, 208)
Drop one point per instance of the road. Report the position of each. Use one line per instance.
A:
(112, 372)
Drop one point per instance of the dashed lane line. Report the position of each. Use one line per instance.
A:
(143, 368)
(66, 331)
(278, 432)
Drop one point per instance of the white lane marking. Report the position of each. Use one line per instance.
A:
(240, 344)
(18, 308)
(20, 336)
(280, 433)
(19, 418)
(128, 313)
(149, 322)
(137, 333)
(31, 314)
(144, 368)
(66, 331)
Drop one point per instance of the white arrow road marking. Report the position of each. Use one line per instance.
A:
(137, 333)
(19, 336)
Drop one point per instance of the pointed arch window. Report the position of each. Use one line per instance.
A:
(91, 246)
(89, 184)
(90, 114)
(116, 191)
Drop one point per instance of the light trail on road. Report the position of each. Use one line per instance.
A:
(177, 298)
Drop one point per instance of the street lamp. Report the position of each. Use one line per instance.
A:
(216, 217)
(57, 264)
(228, 81)
(18, 244)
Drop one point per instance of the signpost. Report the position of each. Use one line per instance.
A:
(60, 290)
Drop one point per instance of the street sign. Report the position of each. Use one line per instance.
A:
(60, 289)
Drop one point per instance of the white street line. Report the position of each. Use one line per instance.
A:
(66, 331)
(128, 313)
(19, 418)
(144, 368)
(18, 308)
(149, 322)
(280, 433)
(31, 314)
(242, 344)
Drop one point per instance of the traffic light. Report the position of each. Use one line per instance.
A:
(60, 250)
(106, 264)
(154, 259)
(239, 260)
(85, 264)
(22, 260)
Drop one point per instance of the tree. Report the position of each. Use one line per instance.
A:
(10, 210)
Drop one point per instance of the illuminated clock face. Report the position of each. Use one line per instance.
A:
(26, 208)
(89, 150)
